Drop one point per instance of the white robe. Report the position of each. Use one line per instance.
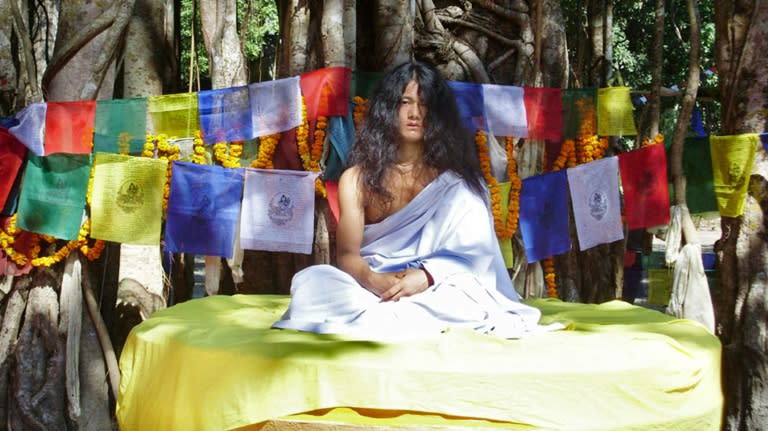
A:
(447, 229)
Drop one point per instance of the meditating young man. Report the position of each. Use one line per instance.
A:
(416, 248)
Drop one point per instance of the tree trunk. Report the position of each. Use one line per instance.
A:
(681, 127)
(394, 32)
(219, 21)
(741, 312)
(149, 60)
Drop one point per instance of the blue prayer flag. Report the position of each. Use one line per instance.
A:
(544, 221)
(203, 209)
(469, 97)
(225, 115)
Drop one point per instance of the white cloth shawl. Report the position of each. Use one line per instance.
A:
(448, 229)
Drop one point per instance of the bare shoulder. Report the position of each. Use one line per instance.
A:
(350, 188)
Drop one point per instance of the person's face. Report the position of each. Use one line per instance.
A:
(412, 113)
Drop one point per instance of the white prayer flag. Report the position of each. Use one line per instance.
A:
(275, 105)
(278, 210)
(505, 110)
(594, 188)
(31, 128)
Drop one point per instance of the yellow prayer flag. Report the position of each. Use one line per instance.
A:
(614, 112)
(732, 159)
(506, 244)
(175, 115)
(127, 200)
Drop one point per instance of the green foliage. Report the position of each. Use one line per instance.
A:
(258, 28)
(633, 29)
(259, 18)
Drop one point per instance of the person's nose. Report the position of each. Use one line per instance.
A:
(414, 112)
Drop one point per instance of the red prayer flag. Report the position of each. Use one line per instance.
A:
(544, 109)
(69, 127)
(332, 188)
(646, 190)
(12, 155)
(326, 91)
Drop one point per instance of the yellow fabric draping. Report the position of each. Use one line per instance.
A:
(614, 112)
(213, 364)
(732, 159)
(127, 200)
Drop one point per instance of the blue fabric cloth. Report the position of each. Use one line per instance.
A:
(341, 132)
(544, 221)
(225, 114)
(203, 209)
(764, 140)
(469, 97)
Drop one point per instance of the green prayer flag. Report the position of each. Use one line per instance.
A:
(121, 126)
(579, 110)
(52, 198)
(697, 167)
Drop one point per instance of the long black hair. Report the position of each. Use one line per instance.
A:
(447, 144)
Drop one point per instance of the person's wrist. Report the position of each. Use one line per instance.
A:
(430, 280)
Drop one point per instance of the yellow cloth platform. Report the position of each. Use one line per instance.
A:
(214, 364)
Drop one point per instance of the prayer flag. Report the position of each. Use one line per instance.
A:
(326, 91)
(504, 108)
(697, 122)
(52, 200)
(363, 83)
(127, 200)
(764, 140)
(278, 210)
(697, 167)
(614, 112)
(544, 111)
(121, 126)
(732, 160)
(174, 115)
(203, 209)
(275, 106)
(332, 190)
(544, 215)
(225, 114)
(31, 128)
(341, 133)
(646, 191)
(69, 127)
(469, 98)
(596, 202)
(287, 152)
(579, 112)
(507, 251)
(12, 156)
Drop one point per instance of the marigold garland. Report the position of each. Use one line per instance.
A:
(9, 236)
(481, 141)
(361, 104)
(228, 154)
(515, 185)
(658, 139)
(549, 277)
(160, 146)
(310, 158)
(198, 149)
(267, 147)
